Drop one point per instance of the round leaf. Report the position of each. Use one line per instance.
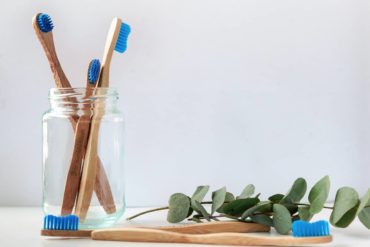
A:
(319, 194)
(201, 209)
(179, 205)
(276, 198)
(304, 213)
(364, 210)
(260, 207)
(247, 192)
(296, 192)
(262, 219)
(218, 198)
(281, 219)
(238, 206)
(229, 197)
(345, 207)
(200, 193)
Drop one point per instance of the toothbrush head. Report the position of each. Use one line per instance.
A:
(68, 222)
(302, 228)
(44, 22)
(93, 71)
(121, 44)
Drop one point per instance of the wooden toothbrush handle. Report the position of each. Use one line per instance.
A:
(101, 186)
(89, 169)
(241, 239)
(216, 226)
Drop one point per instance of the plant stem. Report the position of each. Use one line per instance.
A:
(146, 212)
(157, 209)
(306, 204)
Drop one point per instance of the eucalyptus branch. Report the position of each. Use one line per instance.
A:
(286, 207)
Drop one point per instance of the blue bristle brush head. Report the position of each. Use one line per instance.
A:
(121, 44)
(45, 23)
(302, 228)
(94, 70)
(66, 223)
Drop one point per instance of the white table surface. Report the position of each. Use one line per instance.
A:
(20, 226)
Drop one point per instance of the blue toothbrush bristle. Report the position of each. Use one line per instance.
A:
(94, 70)
(302, 228)
(45, 23)
(121, 44)
(67, 223)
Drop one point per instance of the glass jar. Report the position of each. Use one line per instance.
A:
(83, 171)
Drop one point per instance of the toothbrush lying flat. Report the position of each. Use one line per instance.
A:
(116, 40)
(43, 26)
(80, 142)
(51, 223)
(304, 233)
(229, 238)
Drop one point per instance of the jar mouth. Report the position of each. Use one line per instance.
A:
(83, 93)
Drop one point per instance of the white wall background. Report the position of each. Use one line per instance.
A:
(225, 92)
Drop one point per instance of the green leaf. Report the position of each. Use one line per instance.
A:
(319, 194)
(200, 193)
(364, 216)
(281, 219)
(364, 210)
(238, 206)
(262, 207)
(262, 219)
(345, 207)
(218, 199)
(179, 205)
(304, 213)
(229, 197)
(247, 192)
(364, 201)
(202, 210)
(296, 192)
(198, 196)
(276, 198)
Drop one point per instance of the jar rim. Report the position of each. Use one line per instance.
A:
(77, 92)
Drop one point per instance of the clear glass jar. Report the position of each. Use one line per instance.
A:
(76, 117)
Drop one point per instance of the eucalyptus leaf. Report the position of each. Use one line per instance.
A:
(364, 216)
(229, 197)
(364, 210)
(262, 219)
(304, 213)
(202, 210)
(319, 194)
(281, 219)
(218, 199)
(262, 207)
(198, 196)
(276, 198)
(345, 207)
(238, 206)
(296, 192)
(364, 201)
(179, 205)
(247, 192)
(200, 193)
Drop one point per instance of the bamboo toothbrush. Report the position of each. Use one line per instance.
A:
(229, 238)
(80, 143)
(116, 40)
(304, 233)
(57, 227)
(43, 26)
